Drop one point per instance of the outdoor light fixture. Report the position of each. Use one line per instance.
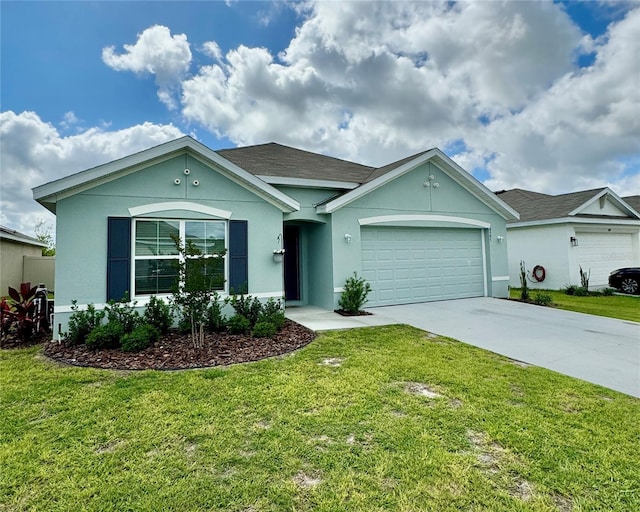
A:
(347, 238)
(499, 239)
(574, 241)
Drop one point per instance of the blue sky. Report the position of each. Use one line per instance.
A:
(535, 95)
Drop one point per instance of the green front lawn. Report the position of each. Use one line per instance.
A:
(624, 307)
(349, 423)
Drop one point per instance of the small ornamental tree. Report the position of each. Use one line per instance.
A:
(198, 277)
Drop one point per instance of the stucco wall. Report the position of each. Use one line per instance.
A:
(82, 226)
(547, 246)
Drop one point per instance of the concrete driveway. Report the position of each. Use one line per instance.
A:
(601, 350)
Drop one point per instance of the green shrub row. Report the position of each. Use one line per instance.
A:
(262, 320)
(121, 326)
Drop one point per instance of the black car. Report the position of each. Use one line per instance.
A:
(626, 280)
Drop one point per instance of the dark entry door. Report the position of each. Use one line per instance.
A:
(292, 263)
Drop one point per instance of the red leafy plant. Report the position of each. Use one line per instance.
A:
(19, 312)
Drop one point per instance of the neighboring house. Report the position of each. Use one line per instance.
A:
(419, 229)
(14, 248)
(592, 229)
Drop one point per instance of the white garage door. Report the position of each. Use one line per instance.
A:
(405, 265)
(603, 253)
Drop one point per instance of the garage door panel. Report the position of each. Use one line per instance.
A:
(421, 264)
(601, 253)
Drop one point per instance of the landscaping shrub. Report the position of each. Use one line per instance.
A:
(355, 294)
(247, 306)
(273, 313)
(158, 314)
(21, 312)
(581, 291)
(238, 324)
(608, 292)
(264, 329)
(216, 320)
(184, 325)
(584, 278)
(123, 313)
(81, 323)
(140, 338)
(570, 289)
(542, 299)
(105, 336)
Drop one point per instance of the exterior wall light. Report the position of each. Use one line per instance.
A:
(574, 241)
(500, 239)
(348, 238)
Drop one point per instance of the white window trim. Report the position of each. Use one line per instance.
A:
(179, 205)
(181, 230)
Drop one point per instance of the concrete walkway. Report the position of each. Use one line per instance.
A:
(600, 350)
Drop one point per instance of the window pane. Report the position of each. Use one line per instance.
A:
(209, 269)
(208, 237)
(153, 237)
(155, 276)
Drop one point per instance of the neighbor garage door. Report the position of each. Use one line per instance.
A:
(405, 265)
(602, 253)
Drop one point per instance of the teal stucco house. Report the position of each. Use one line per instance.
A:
(294, 224)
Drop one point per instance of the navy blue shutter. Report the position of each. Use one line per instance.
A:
(118, 258)
(238, 257)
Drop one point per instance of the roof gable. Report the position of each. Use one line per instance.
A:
(596, 203)
(49, 193)
(383, 175)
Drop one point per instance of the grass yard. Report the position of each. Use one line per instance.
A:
(624, 307)
(377, 419)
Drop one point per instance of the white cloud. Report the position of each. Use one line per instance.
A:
(212, 49)
(155, 52)
(32, 152)
(69, 120)
(374, 81)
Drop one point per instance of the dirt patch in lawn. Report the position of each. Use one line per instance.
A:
(176, 352)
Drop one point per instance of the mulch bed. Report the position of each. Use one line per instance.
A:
(342, 312)
(176, 352)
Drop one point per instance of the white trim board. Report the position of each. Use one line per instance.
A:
(366, 221)
(179, 205)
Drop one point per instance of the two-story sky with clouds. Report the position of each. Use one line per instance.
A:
(537, 95)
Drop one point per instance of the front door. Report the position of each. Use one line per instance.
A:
(292, 263)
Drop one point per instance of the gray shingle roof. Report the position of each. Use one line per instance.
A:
(533, 206)
(274, 159)
(380, 171)
(633, 201)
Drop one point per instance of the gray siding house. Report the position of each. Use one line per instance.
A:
(420, 229)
